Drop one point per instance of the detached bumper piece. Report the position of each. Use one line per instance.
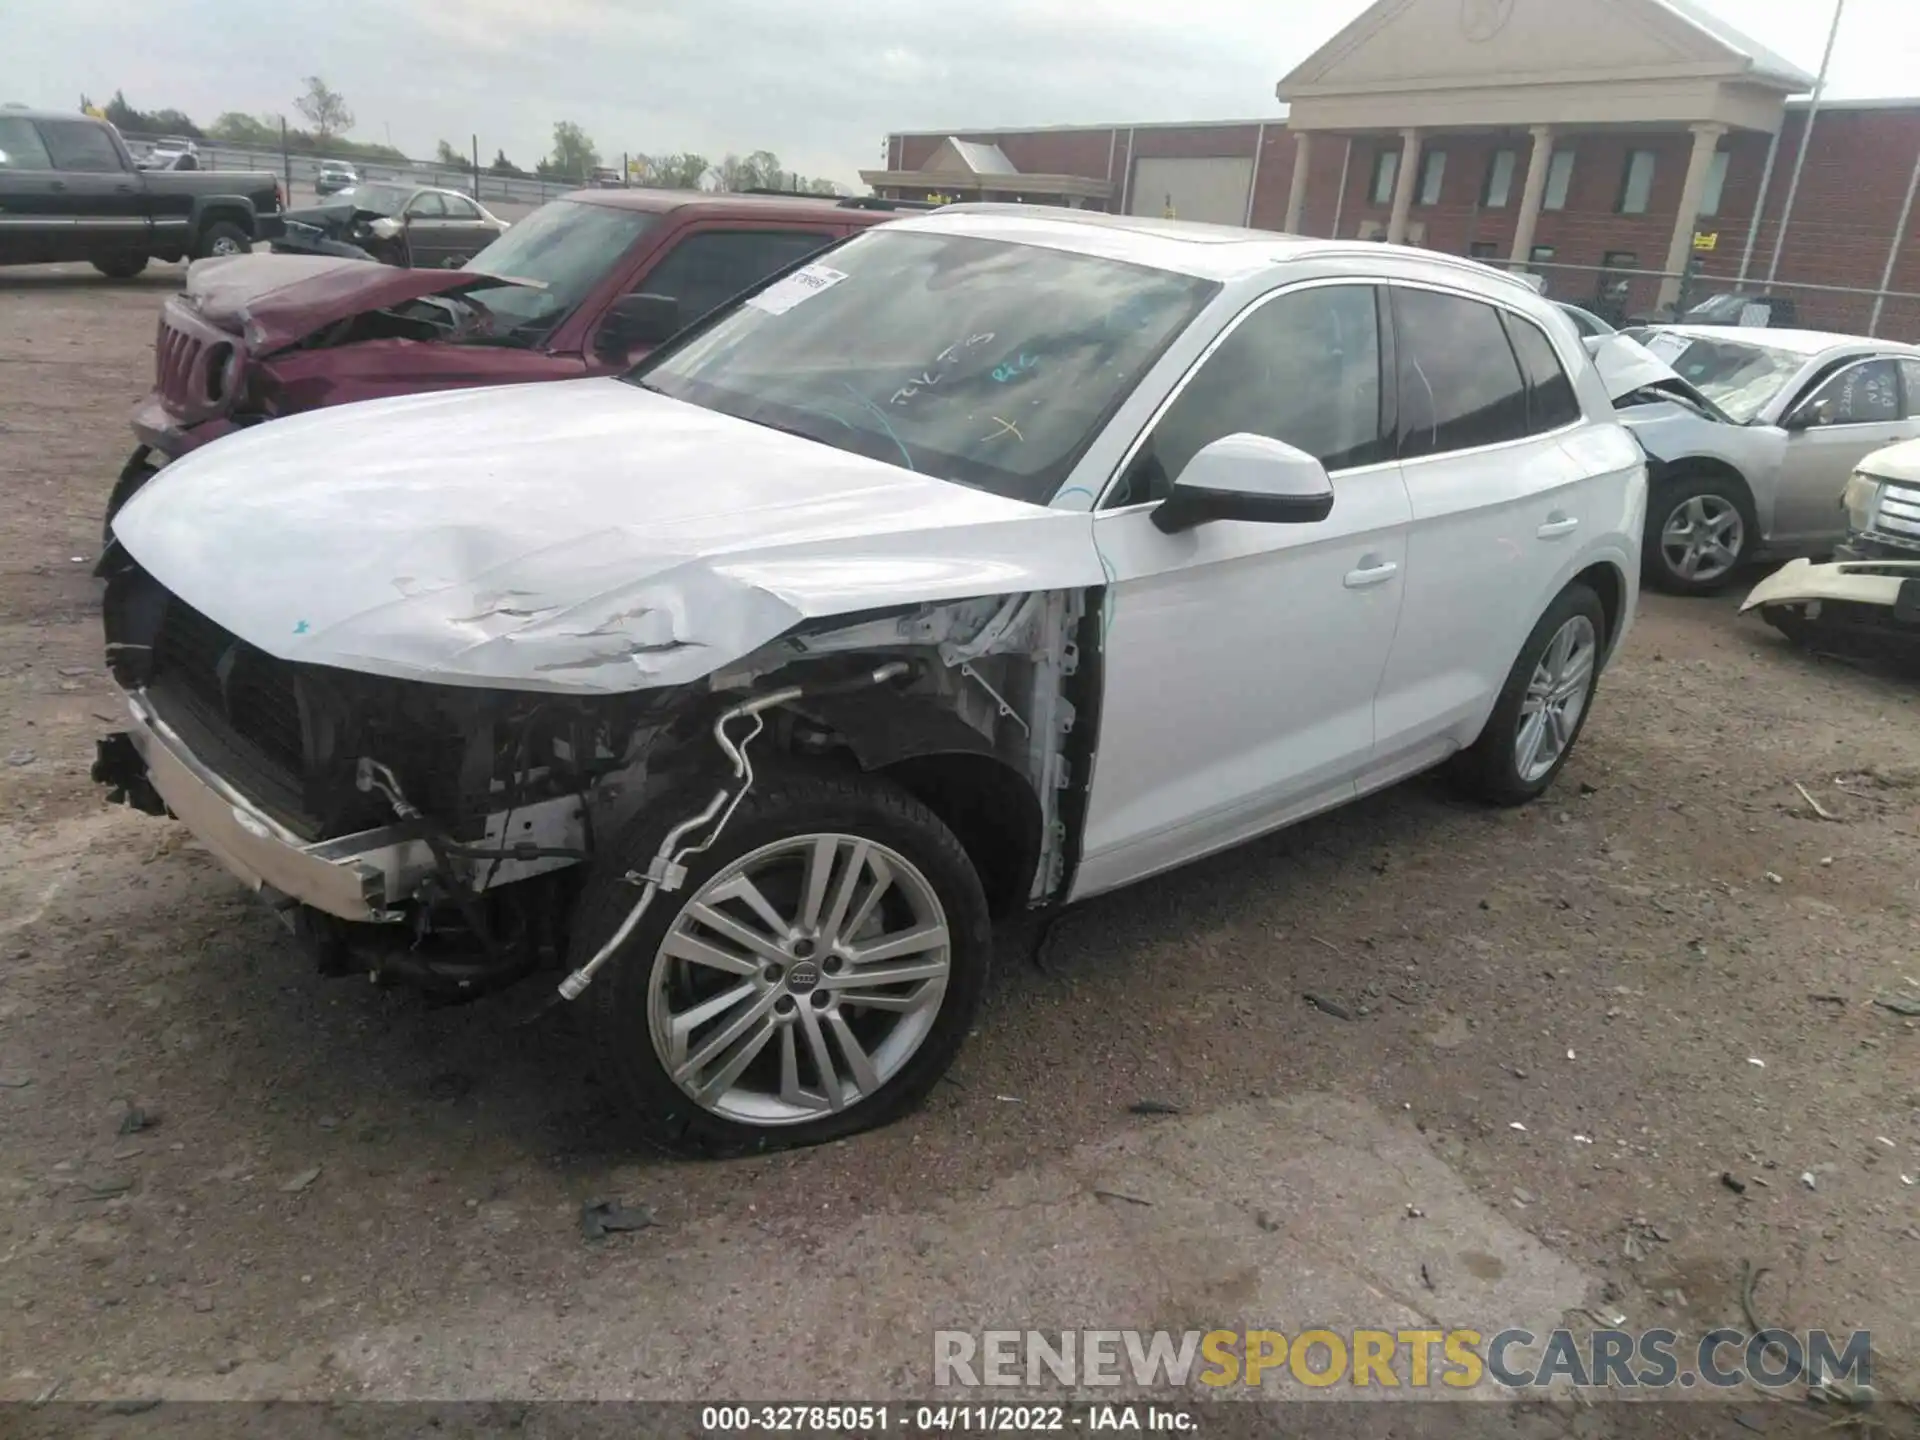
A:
(1859, 605)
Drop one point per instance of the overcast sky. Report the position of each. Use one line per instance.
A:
(819, 82)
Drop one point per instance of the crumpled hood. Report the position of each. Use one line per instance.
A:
(584, 536)
(275, 300)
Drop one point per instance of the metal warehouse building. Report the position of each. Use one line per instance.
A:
(1605, 144)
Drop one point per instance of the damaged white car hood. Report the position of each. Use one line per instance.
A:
(582, 536)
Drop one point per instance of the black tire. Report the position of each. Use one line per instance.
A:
(1489, 770)
(121, 267)
(782, 803)
(222, 237)
(1667, 498)
(136, 472)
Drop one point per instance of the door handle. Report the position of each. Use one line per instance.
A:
(57, 185)
(1371, 575)
(1558, 525)
(124, 188)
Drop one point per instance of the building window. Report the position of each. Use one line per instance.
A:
(1483, 250)
(1559, 179)
(1386, 172)
(1540, 255)
(1636, 183)
(1499, 186)
(1433, 175)
(1716, 183)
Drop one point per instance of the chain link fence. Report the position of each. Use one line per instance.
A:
(1623, 295)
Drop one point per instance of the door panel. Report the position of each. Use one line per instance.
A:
(1241, 659)
(104, 200)
(1498, 509)
(1863, 412)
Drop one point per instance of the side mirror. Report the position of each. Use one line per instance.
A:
(1247, 477)
(633, 321)
(1814, 413)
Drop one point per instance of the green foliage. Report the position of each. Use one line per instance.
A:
(325, 109)
(573, 155)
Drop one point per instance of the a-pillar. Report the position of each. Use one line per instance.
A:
(1403, 186)
(1533, 194)
(1706, 140)
(1297, 187)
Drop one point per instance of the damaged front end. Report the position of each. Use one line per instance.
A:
(1866, 607)
(438, 834)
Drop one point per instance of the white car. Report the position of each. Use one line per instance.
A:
(997, 558)
(1760, 469)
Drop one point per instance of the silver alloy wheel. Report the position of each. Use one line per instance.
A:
(1703, 537)
(224, 246)
(799, 980)
(1556, 697)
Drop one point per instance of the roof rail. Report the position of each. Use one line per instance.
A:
(1500, 268)
(847, 202)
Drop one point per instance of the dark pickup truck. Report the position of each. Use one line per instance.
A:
(70, 191)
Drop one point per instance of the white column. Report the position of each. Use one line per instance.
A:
(1297, 187)
(1706, 140)
(1403, 186)
(1534, 193)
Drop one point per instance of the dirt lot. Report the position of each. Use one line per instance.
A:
(1664, 972)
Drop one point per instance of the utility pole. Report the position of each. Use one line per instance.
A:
(1806, 141)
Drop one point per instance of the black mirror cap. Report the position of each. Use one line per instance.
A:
(634, 320)
(1191, 505)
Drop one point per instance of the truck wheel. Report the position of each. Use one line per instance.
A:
(813, 977)
(223, 237)
(121, 267)
(1543, 705)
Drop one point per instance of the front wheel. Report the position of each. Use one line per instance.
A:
(1700, 529)
(1543, 706)
(223, 237)
(813, 977)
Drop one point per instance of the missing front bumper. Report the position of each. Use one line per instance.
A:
(367, 877)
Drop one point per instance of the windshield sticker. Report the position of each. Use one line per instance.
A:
(805, 283)
(1667, 345)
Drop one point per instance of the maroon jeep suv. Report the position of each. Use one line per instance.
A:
(585, 285)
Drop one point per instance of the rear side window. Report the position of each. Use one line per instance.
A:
(76, 145)
(1910, 379)
(20, 147)
(1550, 398)
(710, 267)
(1460, 386)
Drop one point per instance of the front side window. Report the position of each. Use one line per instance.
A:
(978, 361)
(710, 267)
(1459, 384)
(1864, 394)
(460, 208)
(376, 199)
(428, 205)
(1559, 180)
(566, 248)
(1551, 402)
(76, 145)
(1303, 368)
(20, 146)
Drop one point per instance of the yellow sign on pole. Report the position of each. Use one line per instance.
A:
(1704, 241)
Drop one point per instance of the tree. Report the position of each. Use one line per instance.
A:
(141, 122)
(758, 171)
(685, 171)
(503, 166)
(573, 154)
(447, 155)
(325, 109)
(243, 129)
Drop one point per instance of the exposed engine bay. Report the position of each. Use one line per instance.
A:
(467, 817)
(430, 317)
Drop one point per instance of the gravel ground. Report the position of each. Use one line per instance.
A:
(1664, 971)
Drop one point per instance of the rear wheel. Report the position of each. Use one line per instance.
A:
(813, 977)
(1700, 529)
(121, 267)
(1543, 706)
(223, 237)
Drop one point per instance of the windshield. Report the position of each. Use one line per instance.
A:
(380, 199)
(1737, 377)
(567, 247)
(986, 363)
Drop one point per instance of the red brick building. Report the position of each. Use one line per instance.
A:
(1569, 135)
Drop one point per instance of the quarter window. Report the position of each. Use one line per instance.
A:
(77, 145)
(1459, 384)
(710, 267)
(1551, 402)
(20, 147)
(1303, 368)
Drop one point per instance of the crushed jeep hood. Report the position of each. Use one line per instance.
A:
(277, 300)
(582, 536)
